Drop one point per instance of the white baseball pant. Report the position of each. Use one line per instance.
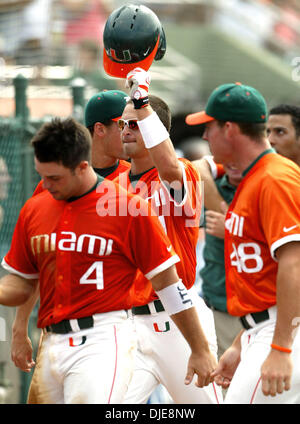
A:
(162, 357)
(91, 366)
(245, 387)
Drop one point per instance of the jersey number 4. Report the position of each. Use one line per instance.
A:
(246, 257)
(97, 269)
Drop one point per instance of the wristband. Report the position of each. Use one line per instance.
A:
(175, 298)
(280, 348)
(140, 103)
(153, 130)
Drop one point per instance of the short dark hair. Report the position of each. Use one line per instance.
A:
(107, 123)
(64, 141)
(255, 130)
(161, 108)
(292, 110)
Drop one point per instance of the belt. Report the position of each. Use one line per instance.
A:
(145, 309)
(257, 317)
(66, 326)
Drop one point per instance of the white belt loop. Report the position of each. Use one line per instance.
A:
(250, 320)
(74, 325)
(152, 308)
(129, 313)
(272, 312)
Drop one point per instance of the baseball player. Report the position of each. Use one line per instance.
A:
(262, 250)
(85, 258)
(283, 130)
(172, 187)
(101, 115)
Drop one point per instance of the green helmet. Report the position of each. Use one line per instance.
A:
(133, 37)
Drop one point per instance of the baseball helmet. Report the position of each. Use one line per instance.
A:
(133, 37)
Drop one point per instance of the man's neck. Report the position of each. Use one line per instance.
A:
(249, 152)
(88, 182)
(297, 159)
(102, 161)
(138, 166)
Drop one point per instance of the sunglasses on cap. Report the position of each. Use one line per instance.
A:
(131, 123)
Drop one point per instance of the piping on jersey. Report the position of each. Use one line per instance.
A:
(255, 390)
(115, 370)
(213, 383)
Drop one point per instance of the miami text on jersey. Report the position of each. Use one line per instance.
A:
(235, 224)
(89, 243)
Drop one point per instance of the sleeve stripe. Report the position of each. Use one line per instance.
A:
(21, 274)
(185, 185)
(213, 167)
(281, 242)
(162, 267)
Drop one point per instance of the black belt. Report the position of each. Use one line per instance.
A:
(257, 317)
(145, 310)
(64, 327)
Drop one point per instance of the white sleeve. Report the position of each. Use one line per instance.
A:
(213, 167)
(12, 270)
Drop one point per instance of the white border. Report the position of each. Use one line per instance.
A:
(162, 267)
(185, 185)
(281, 242)
(14, 271)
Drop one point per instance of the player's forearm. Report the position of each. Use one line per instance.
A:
(212, 197)
(189, 325)
(15, 290)
(176, 300)
(288, 295)
(20, 324)
(163, 154)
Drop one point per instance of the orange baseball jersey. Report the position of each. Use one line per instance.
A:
(180, 221)
(86, 259)
(109, 173)
(113, 172)
(264, 215)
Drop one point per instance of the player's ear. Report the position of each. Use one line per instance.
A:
(230, 129)
(99, 129)
(83, 166)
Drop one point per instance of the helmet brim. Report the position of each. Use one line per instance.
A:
(120, 70)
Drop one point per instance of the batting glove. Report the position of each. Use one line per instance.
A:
(138, 81)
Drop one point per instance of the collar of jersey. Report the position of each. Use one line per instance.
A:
(104, 172)
(225, 182)
(138, 176)
(266, 152)
(99, 180)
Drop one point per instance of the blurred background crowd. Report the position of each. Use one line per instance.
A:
(209, 41)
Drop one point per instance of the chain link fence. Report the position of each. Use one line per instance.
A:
(18, 180)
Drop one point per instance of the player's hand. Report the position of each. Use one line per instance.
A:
(21, 352)
(276, 373)
(215, 223)
(227, 366)
(203, 365)
(138, 81)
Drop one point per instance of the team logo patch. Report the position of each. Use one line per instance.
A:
(157, 330)
(71, 342)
